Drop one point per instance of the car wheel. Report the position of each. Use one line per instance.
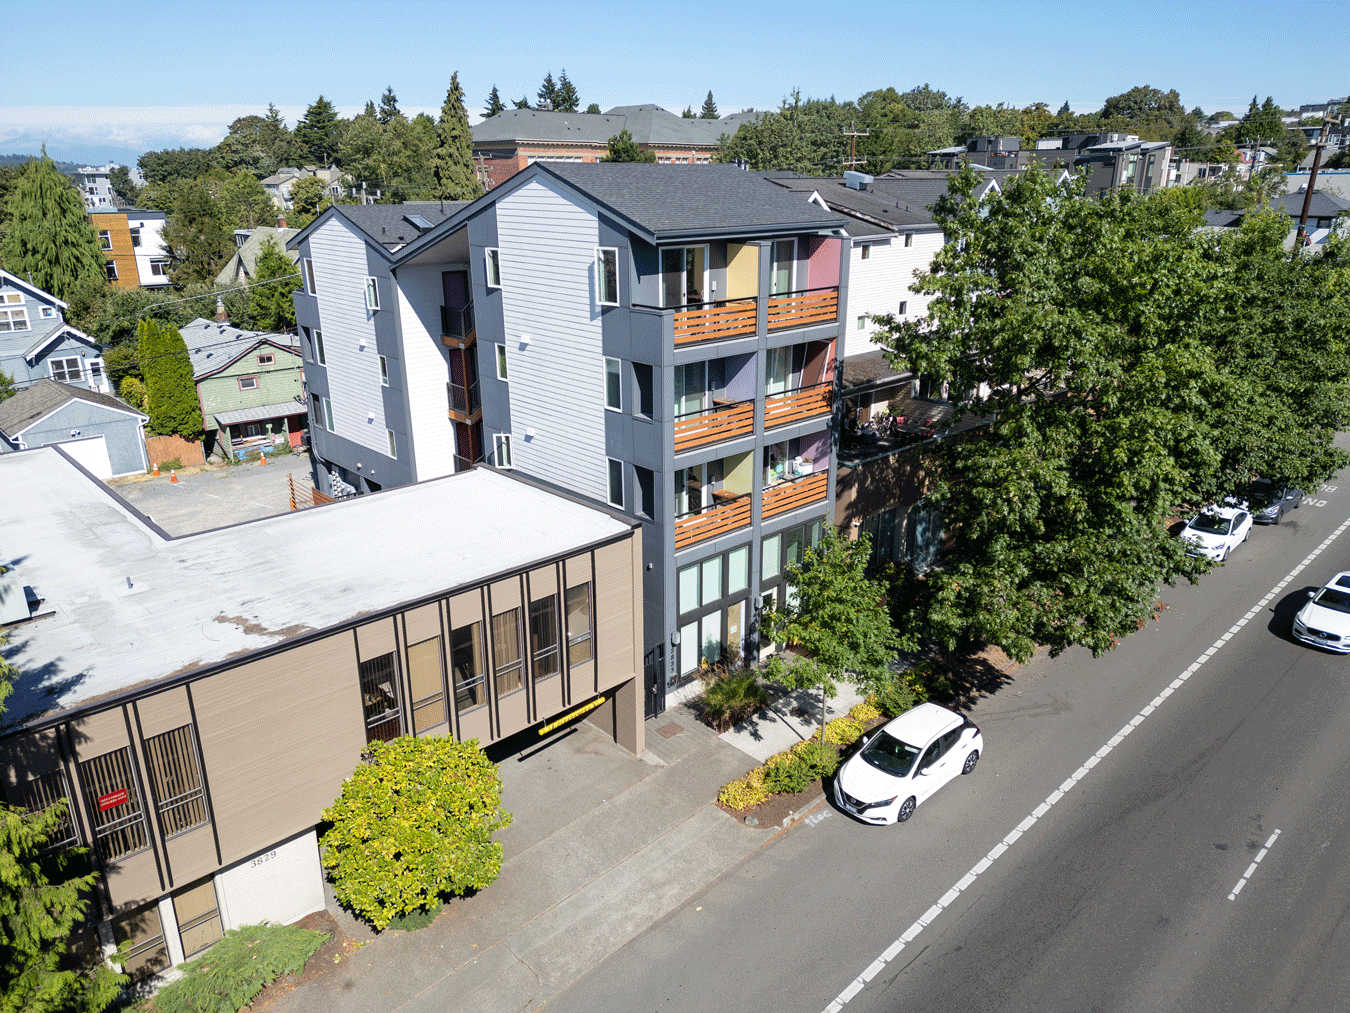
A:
(1249, 531)
(906, 809)
(1224, 557)
(1279, 515)
(969, 766)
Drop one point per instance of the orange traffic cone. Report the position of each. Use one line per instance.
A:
(173, 475)
(156, 471)
(263, 458)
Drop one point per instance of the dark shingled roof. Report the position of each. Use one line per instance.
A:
(878, 212)
(387, 225)
(45, 396)
(1322, 205)
(649, 124)
(676, 201)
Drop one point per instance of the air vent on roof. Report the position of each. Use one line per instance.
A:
(417, 222)
(856, 180)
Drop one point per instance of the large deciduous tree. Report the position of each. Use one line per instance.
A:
(171, 396)
(452, 161)
(48, 237)
(1144, 104)
(244, 203)
(1125, 367)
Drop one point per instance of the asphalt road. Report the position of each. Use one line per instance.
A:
(1079, 868)
(204, 499)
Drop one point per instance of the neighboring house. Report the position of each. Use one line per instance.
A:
(278, 185)
(49, 412)
(506, 143)
(1000, 153)
(1121, 161)
(201, 699)
(659, 339)
(133, 241)
(242, 268)
(1332, 181)
(36, 341)
(1326, 214)
(95, 184)
(250, 387)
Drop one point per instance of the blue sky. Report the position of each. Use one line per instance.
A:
(180, 71)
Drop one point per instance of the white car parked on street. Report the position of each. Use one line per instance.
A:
(1325, 621)
(905, 761)
(1216, 531)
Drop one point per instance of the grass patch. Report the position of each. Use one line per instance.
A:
(230, 975)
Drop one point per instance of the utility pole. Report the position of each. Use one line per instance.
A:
(852, 133)
(1301, 234)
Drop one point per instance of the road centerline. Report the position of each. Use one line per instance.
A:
(1252, 868)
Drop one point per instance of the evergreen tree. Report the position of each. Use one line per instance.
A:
(123, 188)
(388, 105)
(49, 238)
(522, 103)
(688, 113)
(622, 148)
(548, 91)
(275, 278)
(494, 102)
(565, 98)
(6, 385)
(195, 237)
(171, 396)
(318, 132)
(452, 162)
(709, 111)
(594, 108)
(1064, 111)
(308, 201)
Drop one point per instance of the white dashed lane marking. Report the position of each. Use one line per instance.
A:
(909, 935)
(1252, 868)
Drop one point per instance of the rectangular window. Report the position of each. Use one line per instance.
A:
(198, 915)
(578, 605)
(645, 487)
(105, 240)
(738, 569)
(113, 801)
(372, 294)
(615, 483)
(47, 313)
(689, 648)
(607, 275)
(642, 380)
(266, 360)
(909, 238)
(39, 795)
(384, 371)
(428, 688)
(862, 322)
(176, 781)
(769, 562)
(501, 362)
(380, 698)
(318, 348)
(687, 582)
(904, 307)
(159, 268)
(507, 663)
(148, 954)
(393, 447)
(544, 636)
(110, 269)
(136, 236)
(866, 252)
(328, 416)
(613, 385)
(248, 383)
(309, 277)
(712, 580)
(466, 664)
(502, 442)
(65, 370)
(14, 318)
(493, 261)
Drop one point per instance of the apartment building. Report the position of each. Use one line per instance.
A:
(661, 340)
(132, 240)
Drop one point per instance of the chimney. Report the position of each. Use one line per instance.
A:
(281, 221)
(221, 316)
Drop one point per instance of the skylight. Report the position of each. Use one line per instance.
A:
(417, 222)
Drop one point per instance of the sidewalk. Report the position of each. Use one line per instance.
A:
(603, 845)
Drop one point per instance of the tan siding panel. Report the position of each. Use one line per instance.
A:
(375, 638)
(27, 757)
(548, 695)
(191, 855)
(133, 880)
(543, 583)
(273, 769)
(465, 609)
(615, 623)
(163, 712)
(505, 595)
(513, 713)
(96, 734)
(475, 725)
(423, 623)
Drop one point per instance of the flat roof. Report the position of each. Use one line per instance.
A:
(130, 605)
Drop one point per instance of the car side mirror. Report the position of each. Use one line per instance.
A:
(1311, 593)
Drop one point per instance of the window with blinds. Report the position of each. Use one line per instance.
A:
(507, 660)
(578, 604)
(148, 954)
(198, 917)
(428, 686)
(380, 698)
(39, 795)
(176, 781)
(114, 804)
(544, 636)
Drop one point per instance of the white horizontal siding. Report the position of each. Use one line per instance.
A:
(547, 247)
(426, 371)
(353, 370)
(881, 282)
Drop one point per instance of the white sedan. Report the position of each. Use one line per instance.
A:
(905, 762)
(1216, 531)
(1325, 621)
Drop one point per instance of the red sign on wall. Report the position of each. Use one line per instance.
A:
(112, 799)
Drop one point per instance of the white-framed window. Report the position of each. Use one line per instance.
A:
(248, 383)
(393, 446)
(502, 444)
(105, 240)
(372, 294)
(862, 322)
(501, 362)
(309, 276)
(613, 385)
(615, 482)
(318, 348)
(66, 370)
(328, 415)
(607, 276)
(110, 269)
(909, 238)
(384, 371)
(159, 268)
(46, 312)
(136, 236)
(13, 313)
(493, 262)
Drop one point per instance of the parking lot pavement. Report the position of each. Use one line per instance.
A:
(218, 495)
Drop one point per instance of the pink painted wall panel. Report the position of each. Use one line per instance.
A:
(823, 259)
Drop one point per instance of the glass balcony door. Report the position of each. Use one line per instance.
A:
(684, 275)
(781, 270)
(691, 384)
(777, 371)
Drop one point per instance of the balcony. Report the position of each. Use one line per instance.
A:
(803, 309)
(797, 405)
(785, 497)
(457, 326)
(712, 321)
(728, 513)
(724, 421)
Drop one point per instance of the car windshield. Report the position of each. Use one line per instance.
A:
(889, 755)
(1330, 598)
(1211, 524)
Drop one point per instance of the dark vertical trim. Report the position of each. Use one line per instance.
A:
(360, 695)
(152, 794)
(443, 618)
(206, 783)
(134, 755)
(564, 648)
(401, 674)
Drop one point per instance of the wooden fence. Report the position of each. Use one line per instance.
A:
(167, 448)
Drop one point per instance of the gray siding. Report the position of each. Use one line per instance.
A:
(122, 433)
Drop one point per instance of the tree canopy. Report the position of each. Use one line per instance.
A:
(622, 148)
(494, 103)
(1144, 103)
(195, 236)
(319, 132)
(48, 237)
(709, 110)
(1125, 368)
(565, 98)
(275, 279)
(171, 396)
(452, 161)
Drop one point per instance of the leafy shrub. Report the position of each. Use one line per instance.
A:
(843, 732)
(228, 976)
(413, 823)
(906, 689)
(173, 463)
(793, 771)
(865, 711)
(788, 778)
(821, 761)
(744, 792)
(729, 698)
(414, 920)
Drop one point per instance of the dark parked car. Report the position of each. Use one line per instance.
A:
(1270, 500)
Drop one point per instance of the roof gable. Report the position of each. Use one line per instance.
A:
(32, 290)
(44, 396)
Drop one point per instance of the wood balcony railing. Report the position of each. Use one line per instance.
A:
(799, 404)
(788, 496)
(721, 422)
(713, 521)
(802, 309)
(711, 321)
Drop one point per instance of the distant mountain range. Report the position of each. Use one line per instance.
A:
(67, 152)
